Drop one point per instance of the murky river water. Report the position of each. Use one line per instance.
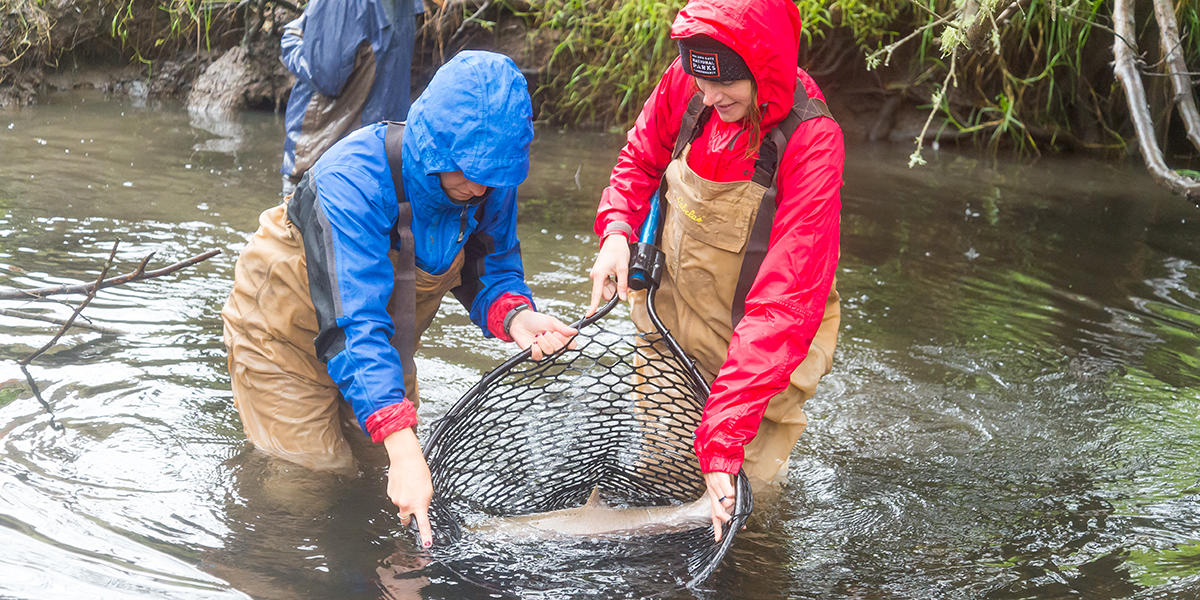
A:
(1014, 410)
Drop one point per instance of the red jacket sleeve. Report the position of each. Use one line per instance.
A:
(645, 157)
(785, 305)
(499, 310)
(390, 419)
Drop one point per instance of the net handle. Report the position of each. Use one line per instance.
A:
(697, 379)
(645, 259)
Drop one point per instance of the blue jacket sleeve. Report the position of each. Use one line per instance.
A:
(319, 47)
(367, 370)
(290, 50)
(503, 272)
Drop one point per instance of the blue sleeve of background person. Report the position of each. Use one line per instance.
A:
(503, 271)
(368, 370)
(289, 50)
(332, 33)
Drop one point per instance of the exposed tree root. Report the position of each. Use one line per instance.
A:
(1127, 73)
(1169, 40)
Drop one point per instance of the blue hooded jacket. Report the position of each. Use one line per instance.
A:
(474, 117)
(352, 60)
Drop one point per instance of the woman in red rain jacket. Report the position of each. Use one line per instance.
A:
(762, 345)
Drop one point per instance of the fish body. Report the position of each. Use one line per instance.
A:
(595, 518)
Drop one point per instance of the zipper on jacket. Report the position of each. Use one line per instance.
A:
(462, 225)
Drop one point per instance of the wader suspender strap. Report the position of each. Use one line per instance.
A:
(693, 121)
(405, 279)
(770, 154)
(766, 171)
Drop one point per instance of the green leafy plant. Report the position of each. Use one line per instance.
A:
(609, 57)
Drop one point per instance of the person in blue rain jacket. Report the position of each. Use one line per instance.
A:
(352, 60)
(319, 310)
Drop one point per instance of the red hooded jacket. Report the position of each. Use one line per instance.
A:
(785, 305)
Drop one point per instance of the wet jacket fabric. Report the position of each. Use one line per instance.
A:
(289, 406)
(351, 59)
(786, 303)
(475, 117)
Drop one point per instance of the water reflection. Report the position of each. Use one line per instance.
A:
(225, 125)
(1012, 414)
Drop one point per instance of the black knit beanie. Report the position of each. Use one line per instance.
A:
(709, 59)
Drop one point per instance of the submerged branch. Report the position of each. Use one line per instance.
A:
(19, 314)
(1168, 29)
(1139, 111)
(91, 295)
(138, 274)
(33, 387)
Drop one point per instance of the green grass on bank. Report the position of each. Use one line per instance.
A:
(1032, 74)
(1029, 74)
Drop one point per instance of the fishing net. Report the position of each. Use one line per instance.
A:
(616, 414)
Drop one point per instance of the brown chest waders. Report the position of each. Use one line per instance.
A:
(289, 406)
(711, 231)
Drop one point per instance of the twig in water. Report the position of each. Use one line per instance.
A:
(138, 274)
(82, 305)
(20, 314)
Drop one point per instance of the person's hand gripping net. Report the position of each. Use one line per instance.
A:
(409, 484)
(722, 496)
(612, 265)
(541, 333)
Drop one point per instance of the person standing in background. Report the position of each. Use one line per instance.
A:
(352, 60)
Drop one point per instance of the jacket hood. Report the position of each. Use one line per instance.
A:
(475, 116)
(765, 33)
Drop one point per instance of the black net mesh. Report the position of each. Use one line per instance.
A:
(615, 414)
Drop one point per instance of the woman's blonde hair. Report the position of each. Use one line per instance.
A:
(753, 120)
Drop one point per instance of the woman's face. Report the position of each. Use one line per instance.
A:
(460, 189)
(731, 99)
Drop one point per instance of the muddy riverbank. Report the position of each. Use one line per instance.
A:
(80, 48)
(1031, 82)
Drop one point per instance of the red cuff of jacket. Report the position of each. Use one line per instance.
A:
(499, 310)
(721, 464)
(390, 419)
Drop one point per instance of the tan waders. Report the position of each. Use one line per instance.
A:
(289, 406)
(705, 231)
